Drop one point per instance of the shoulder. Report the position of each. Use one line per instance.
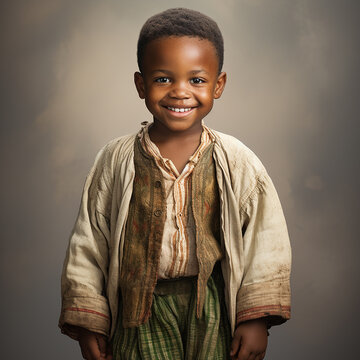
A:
(112, 163)
(117, 149)
(123, 145)
(238, 155)
(240, 166)
(111, 158)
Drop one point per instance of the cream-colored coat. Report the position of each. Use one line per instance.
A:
(256, 266)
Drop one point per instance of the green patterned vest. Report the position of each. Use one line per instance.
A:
(144, 230)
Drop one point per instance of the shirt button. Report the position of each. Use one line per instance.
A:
(157, 184)
(157, 212)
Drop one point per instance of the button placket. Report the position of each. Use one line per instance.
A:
(157, 212)
(177, 199)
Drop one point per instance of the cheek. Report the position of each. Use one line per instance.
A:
(150, 102)
(153, 99)
(206, 95)
(155, 94)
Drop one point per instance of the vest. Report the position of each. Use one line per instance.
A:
(144, 231)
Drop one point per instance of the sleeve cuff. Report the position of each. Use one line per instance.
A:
(85, 312)
(268, 299)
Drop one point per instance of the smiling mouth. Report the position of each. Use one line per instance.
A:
(179, 110)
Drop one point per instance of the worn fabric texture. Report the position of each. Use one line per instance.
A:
(173, 330)
(178, 248)
(257, 255)
(144, 232)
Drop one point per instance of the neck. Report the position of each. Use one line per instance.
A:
(159, 133)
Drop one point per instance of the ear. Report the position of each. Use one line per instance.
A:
(139, 83)
(220, 85)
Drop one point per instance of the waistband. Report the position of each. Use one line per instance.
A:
(176, 286)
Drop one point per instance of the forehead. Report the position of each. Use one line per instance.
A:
(173, 53)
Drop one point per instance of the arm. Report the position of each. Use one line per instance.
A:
(264, 297)
(265, 290)
(84, 275)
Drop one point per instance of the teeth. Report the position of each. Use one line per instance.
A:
(178, 109)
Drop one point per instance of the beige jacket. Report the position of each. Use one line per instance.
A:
(256, 266)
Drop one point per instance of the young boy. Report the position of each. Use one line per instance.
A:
(180, 249)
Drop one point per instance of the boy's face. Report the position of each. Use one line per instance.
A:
(180, 81)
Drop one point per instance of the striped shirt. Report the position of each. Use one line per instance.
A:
(178, 251)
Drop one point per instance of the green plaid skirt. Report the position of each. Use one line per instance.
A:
(173, 331)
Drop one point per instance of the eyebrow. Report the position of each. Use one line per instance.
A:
(170, 72)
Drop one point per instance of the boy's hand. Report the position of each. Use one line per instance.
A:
(94, 346)
(250, 341)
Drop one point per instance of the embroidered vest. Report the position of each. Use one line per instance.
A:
(144, 230)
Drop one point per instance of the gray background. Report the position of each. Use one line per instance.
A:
(292, 96)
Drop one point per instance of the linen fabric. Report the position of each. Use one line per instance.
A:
(257, 253)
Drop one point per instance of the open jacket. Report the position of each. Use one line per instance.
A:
(254, 237)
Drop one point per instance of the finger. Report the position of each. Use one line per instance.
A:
(260, 356)
(86, 354)
(84, 350)
(235, 344)
(252, 356)
(102, 344)
(93, 349)
(243, 354)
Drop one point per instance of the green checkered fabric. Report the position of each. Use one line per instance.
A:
(173, 331)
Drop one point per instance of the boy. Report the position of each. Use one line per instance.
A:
(180, 249)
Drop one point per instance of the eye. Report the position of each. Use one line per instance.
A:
(162, 80)
(197, 80)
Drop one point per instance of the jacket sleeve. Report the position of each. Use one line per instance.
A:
(84, 274)
(265, 290)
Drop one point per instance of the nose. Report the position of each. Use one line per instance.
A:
(179, 90)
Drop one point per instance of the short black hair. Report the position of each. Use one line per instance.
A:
(180, 22)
